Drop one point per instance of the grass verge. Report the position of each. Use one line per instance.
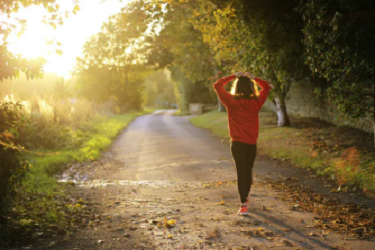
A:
(181, 113)
(341, 153)
(41, 206)
(44, 164)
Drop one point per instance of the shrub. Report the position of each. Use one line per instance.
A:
(11, 169)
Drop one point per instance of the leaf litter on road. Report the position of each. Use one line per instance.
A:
(356, 221)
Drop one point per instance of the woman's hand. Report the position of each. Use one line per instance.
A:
(250, 75)
(238, 74)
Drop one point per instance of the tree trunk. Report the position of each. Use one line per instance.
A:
(222, 108)
(282, 115)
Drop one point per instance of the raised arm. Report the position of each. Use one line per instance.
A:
(266, 87)
(223, 95)
(264, 92)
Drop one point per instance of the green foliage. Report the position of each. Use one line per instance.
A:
(51, 137)
(190, 91)
(259, 36)
(11, 119)
(159, 89)
(49, 123)
(339, 38)
(125, 87)
(11, 172)
(263, 37)
(11, 167)
(180, 47)
(111, 65)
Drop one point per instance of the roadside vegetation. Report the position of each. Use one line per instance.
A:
(34, 203)
(341, 154)
(182, 113)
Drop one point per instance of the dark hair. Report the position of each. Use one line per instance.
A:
(244, 88)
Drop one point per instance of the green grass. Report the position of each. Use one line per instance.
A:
(215, 121)
(304, 147)
(181, 113)
(44, 164)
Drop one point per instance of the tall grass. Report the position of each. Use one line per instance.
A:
(53, 121)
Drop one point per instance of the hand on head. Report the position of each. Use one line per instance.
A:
(238, 74)
(251, 76)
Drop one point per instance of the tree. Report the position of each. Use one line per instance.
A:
(261, 36)
(339, 39)
(112, 62)
(11, 65)
(159, 89)
(180, 47)
(11, 117)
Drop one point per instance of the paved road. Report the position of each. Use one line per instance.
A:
(161, 167)
(162, 146)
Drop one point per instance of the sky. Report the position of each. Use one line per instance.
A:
(72, 34)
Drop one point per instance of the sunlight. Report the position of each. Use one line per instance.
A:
(30, 46)
(72, 34)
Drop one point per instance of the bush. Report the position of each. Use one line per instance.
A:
(11, 169)
(53, 137)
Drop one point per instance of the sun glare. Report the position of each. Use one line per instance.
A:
(29, 46)
(72, 34)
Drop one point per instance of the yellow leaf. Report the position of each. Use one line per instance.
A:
(76, 8)
(170, 223)
(53, 24)
(59, 52)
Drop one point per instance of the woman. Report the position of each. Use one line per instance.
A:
(243, 105)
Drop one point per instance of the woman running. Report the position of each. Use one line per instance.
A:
(243, 105)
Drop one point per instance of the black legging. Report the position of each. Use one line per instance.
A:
(244, 155)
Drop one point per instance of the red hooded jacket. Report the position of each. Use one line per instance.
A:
(242, 113)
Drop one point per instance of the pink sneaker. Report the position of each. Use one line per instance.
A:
(242, 210)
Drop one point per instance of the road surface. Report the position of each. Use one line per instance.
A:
(165, 184)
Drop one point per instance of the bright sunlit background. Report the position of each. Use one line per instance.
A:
(72, 34)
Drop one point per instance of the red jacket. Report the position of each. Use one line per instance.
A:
(242, 113)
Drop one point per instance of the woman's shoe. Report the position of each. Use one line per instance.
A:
(242, 210)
